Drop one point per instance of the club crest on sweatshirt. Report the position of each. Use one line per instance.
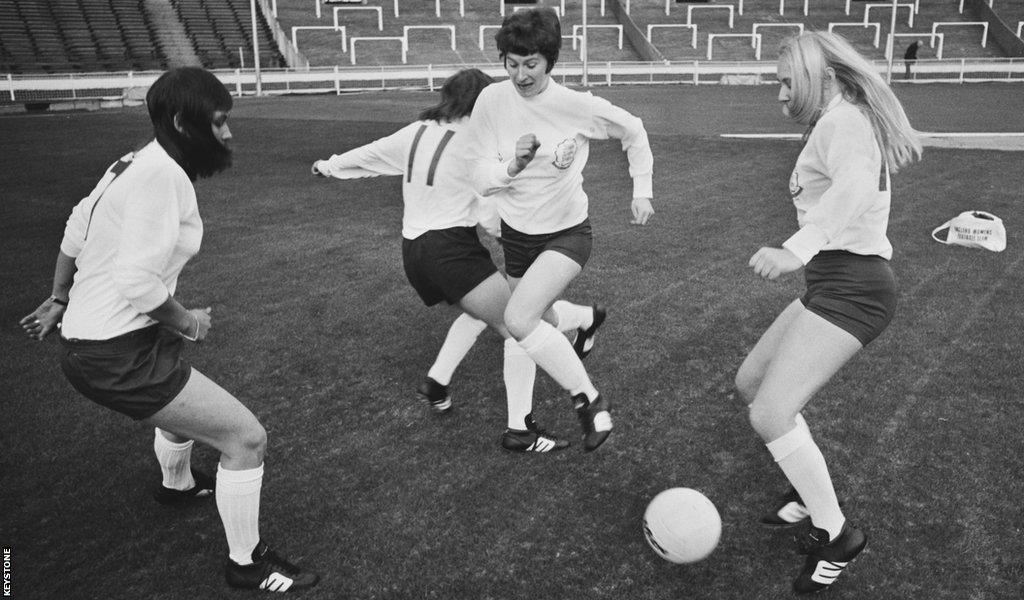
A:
(565, 152)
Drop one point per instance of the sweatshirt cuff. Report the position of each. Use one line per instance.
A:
(497, 178)
(807, 242)
(501, 176)
(69, 249)
(643, 187)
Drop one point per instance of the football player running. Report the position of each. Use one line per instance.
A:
(858, 135)
(532, 139)
(443, 256)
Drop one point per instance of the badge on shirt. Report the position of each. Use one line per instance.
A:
(795, 189)
(565, 152)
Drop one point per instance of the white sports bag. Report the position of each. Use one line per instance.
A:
(974, 229)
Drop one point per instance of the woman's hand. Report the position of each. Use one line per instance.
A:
(321, 168)
(199, 324)
(43, 320)
(526, 149)
(770, 263)
(642, 211)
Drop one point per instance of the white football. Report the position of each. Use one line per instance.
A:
(682, 525)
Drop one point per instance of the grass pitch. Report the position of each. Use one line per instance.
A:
(317, 331)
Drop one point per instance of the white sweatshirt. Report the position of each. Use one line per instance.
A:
(547, 196)
(840, 187)
(432, 158)
(130, 241)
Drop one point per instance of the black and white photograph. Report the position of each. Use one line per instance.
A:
(506, 299)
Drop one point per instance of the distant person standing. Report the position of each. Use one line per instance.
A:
(841, 189)
(123, 330)
(910, 56)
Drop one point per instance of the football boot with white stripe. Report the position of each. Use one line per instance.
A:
(268, 572)
(595, 419)
(533, 439)
(435, 394)
(789, 509)
(202, 489)
(584, 342)
(827, 559)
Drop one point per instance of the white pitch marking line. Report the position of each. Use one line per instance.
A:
(927, 134)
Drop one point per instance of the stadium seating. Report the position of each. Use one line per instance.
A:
(110, 35)
(767, 16)
(466, 17)
(221, 31)
(771, 21)
(121, 35)
(77, 35)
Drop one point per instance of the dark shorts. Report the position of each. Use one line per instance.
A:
(521, 249)
(135, 374)
(446, 264)
(854, 292)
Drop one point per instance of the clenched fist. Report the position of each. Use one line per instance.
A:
(526, 149)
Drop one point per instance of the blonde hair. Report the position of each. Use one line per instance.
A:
(809, 54)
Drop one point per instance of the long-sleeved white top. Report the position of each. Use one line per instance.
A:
(433, 159)
(840, 187)
(548, 196)
(130, 242)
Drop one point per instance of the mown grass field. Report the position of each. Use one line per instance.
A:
(317, 331)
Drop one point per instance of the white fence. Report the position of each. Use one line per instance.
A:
(128, 87)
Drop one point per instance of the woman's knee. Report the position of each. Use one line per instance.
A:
(251, 441)
(769, 422)
(520, 323)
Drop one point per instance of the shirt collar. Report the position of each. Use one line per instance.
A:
(834, 102)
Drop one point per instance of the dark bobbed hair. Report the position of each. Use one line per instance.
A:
(458, 96)
(531, 31)
(193, 95)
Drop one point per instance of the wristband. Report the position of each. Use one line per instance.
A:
(59, 301)
(194, 337)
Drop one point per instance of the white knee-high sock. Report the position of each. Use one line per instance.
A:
(175, 462)
(553, 353)
(804, 465)
(572, 316)
(520, 373)
(461, 337)
(238, 502)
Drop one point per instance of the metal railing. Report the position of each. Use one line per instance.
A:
(129, 87)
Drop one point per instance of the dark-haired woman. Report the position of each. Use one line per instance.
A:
(532, 139)
(442, 254)
(122, 329)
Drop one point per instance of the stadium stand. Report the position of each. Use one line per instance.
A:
(221, 32)
(43, 36)
(77, 35)
(675, 44)
(466, 17)
(668, 39)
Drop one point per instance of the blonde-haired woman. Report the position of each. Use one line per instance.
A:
(857, 135)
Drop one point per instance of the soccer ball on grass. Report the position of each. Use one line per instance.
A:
(682, 525)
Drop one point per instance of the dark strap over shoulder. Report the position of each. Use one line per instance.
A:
(119, 167)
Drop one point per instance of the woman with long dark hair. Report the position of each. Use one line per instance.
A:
(123, 331)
